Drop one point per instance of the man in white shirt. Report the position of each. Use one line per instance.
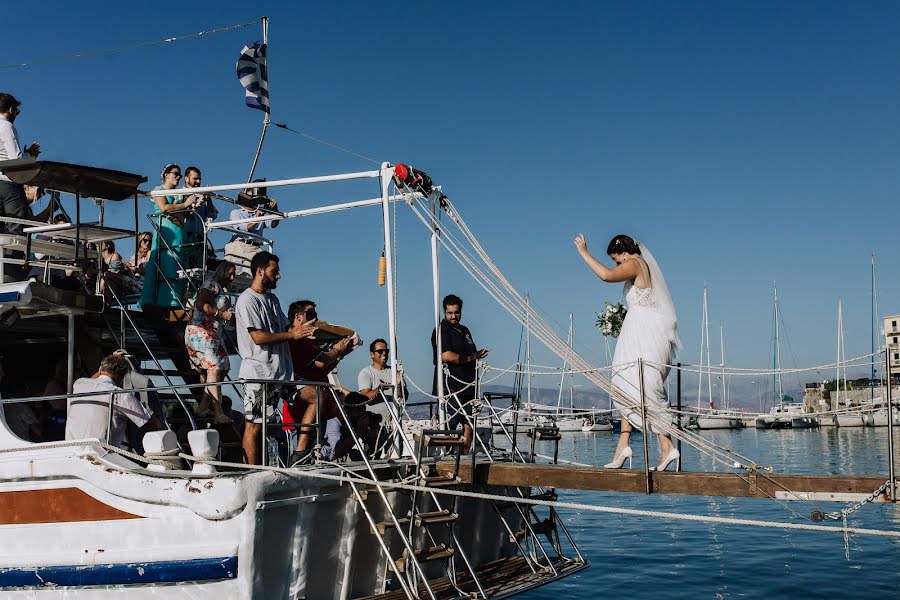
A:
(12, 196)
(88, 416)
(378, 376)
(241, 249)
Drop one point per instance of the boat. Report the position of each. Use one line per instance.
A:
(596, 423)
(879, 418)
(781, 416)
(710, 417)
(855, 419)
(86, 519)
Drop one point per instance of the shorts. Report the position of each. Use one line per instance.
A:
(253, 400)
(457, 410)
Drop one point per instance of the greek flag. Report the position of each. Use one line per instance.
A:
(254, 75)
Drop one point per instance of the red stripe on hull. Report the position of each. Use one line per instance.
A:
(63, 505)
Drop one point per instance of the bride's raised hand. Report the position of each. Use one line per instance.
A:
(581, 243)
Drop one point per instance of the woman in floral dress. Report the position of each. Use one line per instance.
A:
(205, 340)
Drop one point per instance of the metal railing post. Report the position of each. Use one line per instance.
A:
(680, 414)
(109, 424)
(890, 416)
(264, 457)
(645, 429)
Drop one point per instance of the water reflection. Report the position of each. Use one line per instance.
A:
(647, 558)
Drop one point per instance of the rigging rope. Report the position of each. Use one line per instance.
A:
(120, 49)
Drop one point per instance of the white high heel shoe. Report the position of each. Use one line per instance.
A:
(619, 460)
(671, 457)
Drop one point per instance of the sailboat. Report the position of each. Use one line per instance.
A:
(567, 422)
(712, 418)
(780, 416)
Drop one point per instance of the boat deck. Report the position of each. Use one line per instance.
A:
(500, 579)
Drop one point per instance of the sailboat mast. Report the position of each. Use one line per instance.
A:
(722, 364)
(779, 391)
(562, 377)
(837, 376)
(708, 360)
(527, 354)
(700, 375)
(874, 330)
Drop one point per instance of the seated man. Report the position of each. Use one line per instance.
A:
(378, 376)
(311, 363)
(241, 249)
(340, 436)
(88, 416)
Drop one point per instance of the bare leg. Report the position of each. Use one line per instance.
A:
(307, 396)
(665, 446)
(624, 436)
(250, 442)
(204, 401)
(467, 438)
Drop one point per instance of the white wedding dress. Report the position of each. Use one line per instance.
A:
(648, 332)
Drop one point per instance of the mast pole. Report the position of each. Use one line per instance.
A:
(778, 391)
(528, 350)
(700, 376)
(708, 359)
(436, 290)
(267, 119)
(722, 364)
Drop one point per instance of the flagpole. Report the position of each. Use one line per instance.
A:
(267, 120)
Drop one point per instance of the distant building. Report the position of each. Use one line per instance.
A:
(892, 341)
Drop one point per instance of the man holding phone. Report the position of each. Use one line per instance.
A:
(312, 364)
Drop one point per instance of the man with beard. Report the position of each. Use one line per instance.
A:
(460, 355)
(203, 210)
(263, 335)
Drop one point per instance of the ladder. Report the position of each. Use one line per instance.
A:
(426, 534)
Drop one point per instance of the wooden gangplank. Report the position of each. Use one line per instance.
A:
(738, 485)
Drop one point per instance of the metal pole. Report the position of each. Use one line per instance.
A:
(678, 393)
(70, 365)
(264, 456)
(386, 175)
(890, 415)
(436, 284)
(268, 119)
(644, 428)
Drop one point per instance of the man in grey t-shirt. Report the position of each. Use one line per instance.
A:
(378, 374)
(262, 336)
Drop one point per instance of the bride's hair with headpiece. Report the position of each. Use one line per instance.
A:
(623, 243)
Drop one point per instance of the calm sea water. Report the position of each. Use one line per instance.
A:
(638, 558)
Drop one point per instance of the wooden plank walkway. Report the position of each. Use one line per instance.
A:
(823, 487)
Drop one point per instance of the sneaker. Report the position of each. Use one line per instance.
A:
(300, 458)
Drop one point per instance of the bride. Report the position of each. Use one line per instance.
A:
(648, 332)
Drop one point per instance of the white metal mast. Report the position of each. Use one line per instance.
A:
(778, 352)
(722, 365)
(562, 378)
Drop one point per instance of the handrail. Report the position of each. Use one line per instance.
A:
(164, 388)
(124, 313)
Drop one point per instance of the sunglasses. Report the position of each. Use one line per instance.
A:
(382, 351)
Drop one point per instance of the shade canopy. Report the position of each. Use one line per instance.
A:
(91, 182)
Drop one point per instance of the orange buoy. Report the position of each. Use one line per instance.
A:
(382, 269)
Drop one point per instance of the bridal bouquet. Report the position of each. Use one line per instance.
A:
(609, 322)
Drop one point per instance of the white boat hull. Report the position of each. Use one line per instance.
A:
(850, 420)
(82, 526)
(719, 423)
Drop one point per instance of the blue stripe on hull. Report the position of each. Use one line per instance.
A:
(173, 571)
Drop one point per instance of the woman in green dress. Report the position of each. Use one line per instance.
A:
(162, 286)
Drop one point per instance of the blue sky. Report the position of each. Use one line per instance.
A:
(744, 143)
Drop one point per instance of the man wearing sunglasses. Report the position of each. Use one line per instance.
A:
(378, 375)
